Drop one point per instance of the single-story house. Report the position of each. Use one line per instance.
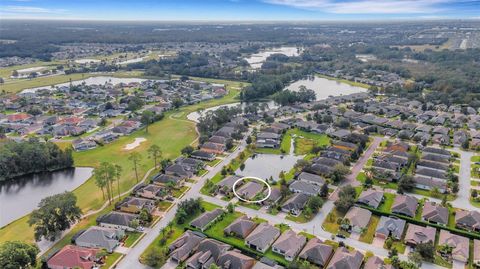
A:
(74, 257)
(207, 253)
(311, 178)
(241, 227)
(262, 237)
(358, 218)
(250, 189)
(405, 205)
(418, 234)
(203, 155)
(151, 191)
(345, 259)
(428, 184)
(371, 197)
(476, 252)
(460, 245)
(316, 252)
(225, 186)
(135, 205)
(234, 259)
(390, 226)
(117, 220)
(203, 221)
(435, 213)
(300, 186)
(295, 204)
(99, 237)
(468, 220)
(375, 262)
(184, 246)
(289, 244)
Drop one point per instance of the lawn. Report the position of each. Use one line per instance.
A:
(369, 234)
(132, 237)
(387, 202)
(111, 259)
(302, 218)
(418, 214)
(305, 141)
(214, 162)
(361, 177)
(164, 205)
(330, 224)
(349, 82)
(253, 206)
(178, 192)
(399, 245)
(89, 196)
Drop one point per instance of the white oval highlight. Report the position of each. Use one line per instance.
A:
(249, 201)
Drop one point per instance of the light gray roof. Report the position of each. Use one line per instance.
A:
(435, 212)
(316, 252)
(358, 216)
(391, 226)
(203, 220)
(241, 227)
(304, 187)
(99, 237)
(290, 243)
(406, 205)
(311, 178)
(263, 235)
(371, 198)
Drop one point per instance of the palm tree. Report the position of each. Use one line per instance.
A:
(99, 180)
(118, 172)
(135, 157)
(155, 153)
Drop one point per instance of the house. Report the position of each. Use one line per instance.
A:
(311, 178)
(151, 191)
(460, 245)
(289, 244)
(316, 252)
(163, 179)
(203, 155)
(179, 170)
(358, 219)
(268, 265)
(203, 221)
(210, 147)
(430, 184)
(436, 158)
(226, 185)
(262, 237)
(207, 253)
(268, 140)
(83, 144)
(435, 213)
(375, 262)
(431, 174)
(476, 252)
(275, 196)
(295, 204)
(241, 227)
(418, 234)
(345, 259)
(70, 257)
(300, 186)
(117, 220)
(250, 189)
(234, 259)
(135, 205)
(405, 205)
(425, 164)
(370, 197)
(437, 151)
(468, 220)
(218, 140)
(184, 246)
(99, 237)
(390, 227)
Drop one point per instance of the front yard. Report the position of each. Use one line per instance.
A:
(369, 234)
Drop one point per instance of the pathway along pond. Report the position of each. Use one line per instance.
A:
(21, 196)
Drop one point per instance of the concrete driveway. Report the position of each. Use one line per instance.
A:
(378, 242)
(458, 265)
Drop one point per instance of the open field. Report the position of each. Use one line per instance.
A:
(160, 133)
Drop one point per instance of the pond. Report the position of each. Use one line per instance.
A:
(256, 60)
(194, 116)
(265, 166)
(20, 196)
(325, 87)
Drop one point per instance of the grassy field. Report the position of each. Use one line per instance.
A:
(132, 237)
(111, 259)
(387, 203)
(305, 141)
(369, 234)
(349, 82)
(284, 146)
(330, 224)
(160, 133)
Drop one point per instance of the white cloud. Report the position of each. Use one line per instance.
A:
(365, 6)
(30, 10)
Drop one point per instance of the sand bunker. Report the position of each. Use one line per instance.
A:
(135, 143)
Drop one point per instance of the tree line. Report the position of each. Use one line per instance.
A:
(27, 157)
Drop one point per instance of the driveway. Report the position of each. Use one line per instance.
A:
(458, 265)
(463, 195)
(378, 242)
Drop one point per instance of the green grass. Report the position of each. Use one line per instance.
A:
(283, 149)
(369, 234)
(361, 177)
(214, 162)
(330, 224)
(89, 196)
(305, 141)
(302, 218)
(399, 245)
(178, 192)
(132, 237)
(253, 206)
(389, 198)
(441, 262)
(418, 214)
(349, 82)
(164, 205)
(111, 259)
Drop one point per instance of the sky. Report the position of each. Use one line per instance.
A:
(240, 10)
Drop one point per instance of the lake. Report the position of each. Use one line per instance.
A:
(325, 87)
(256, 60)
(20, 196)
(265, 166)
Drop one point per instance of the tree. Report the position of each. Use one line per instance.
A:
(135, 157)
(249, 140)
(415, 258)
(155, 257)
(389, 243)
(426, 250)
(187, 150)
(177, 102)
(405, 184)
(346, 198)
(145, 216)
(230, 208)
(118, 173)
(324, 190)
(104, 175)
(16, 254)
(155, 152)
(146, 119)
(314, 203)
(54, 215)
(339, 173)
